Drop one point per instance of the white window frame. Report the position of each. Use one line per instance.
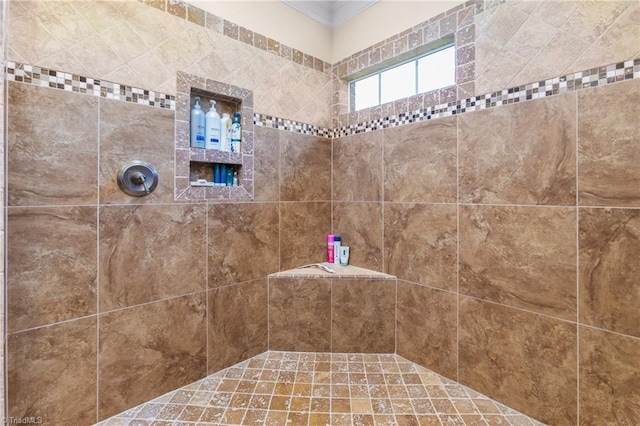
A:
(415, 60)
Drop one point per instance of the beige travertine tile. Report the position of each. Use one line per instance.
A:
(53, 267)
(609, 246)
(357, 167)
(134, 132)
(360, 227)
(609, 145)
(525, 360)
(300, 314)
(530, 38)
(524, 257)
(420, 162)
(237, 323)
(303, 233)
(420, 243)
(592, 18)
(149, 253)
(559, 53)
(608, 363)
(503, 24)
(52, 373)
(363, 315)
(151, 349)
(427, 327)
(305, 167)
(243, 242)
(38, 45)
(521, 153)
(52, 158)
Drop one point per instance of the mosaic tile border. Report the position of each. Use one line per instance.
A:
(210, 21)
(45, 77)
(595, 77)
(269, 121)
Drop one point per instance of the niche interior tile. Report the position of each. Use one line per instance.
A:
(609, 145)
(237, 323)
(609, 365)
(523, 257)
(52, 158)
(52, 373)
(135, 132)
(303, 233)
(243, 242)
(363, 315)
(300, 314)
(305, 167)
(357, 167)
(149, 253)
(525, 360)
(609, 269)
(360, 227)
(149, 350)
(427, 327)
(420, 243)
(420, 162)
(521, 153)
(266, 164)
(52, 265)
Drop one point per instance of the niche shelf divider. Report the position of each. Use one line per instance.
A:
(192, 164)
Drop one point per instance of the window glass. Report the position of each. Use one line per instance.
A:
(366, 92)
(398, 82)
(437, 70)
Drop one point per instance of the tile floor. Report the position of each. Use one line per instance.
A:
(292, 388)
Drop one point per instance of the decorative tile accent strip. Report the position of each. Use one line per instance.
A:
(43, 77)
(595, 77)
(290, 125)
(205, 19)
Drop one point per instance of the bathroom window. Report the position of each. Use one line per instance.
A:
(427, 72)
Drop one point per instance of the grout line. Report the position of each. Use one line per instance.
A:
(98, 269)
(577, 229)
(206, 287)
(457, 248)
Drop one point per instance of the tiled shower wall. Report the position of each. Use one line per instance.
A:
(123, 299)
(513, 233)
(3, 30)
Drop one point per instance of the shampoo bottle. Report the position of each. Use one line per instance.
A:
(212, 131)
(330, 247)
(225, 133)
(336, 249)
(236, 133)
(197, 126)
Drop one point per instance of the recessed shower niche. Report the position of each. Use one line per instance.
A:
(195, 168)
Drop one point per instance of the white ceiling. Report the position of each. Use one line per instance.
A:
(330, 13)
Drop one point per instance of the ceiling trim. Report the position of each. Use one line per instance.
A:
(330, 13)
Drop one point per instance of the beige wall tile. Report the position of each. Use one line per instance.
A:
(420, 243)
(420, 162)
(609, 145)
(237, 323)
(52, 373)
(360, 227)
(609, 271)
(243, 242)
(521, 153)
(520, 256)
(149, 253)
(525, 360)
(52, 157)
(363, 315)
(149, 350)
(357, 167)
(53, 265)
(300, 314)
(608, 365)
(427, 327)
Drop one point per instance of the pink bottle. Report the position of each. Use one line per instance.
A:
(330, 252)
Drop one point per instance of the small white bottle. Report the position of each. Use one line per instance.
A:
(197, 126)
(236, 133)
(212, 131)
(225, 132)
